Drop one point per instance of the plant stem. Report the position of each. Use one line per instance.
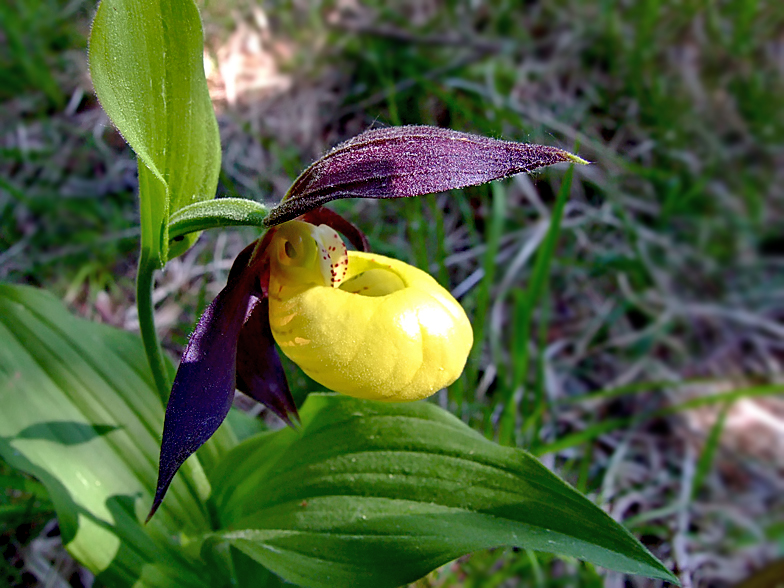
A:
(152, 346)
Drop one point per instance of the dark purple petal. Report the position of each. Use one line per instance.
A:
(400, 162)
(259, 371)
(204, 385)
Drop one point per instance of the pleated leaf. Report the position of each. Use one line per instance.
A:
(377, 494)
(81, 414)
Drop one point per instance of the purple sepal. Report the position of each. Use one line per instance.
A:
(260, 374)
(204, 386)
(400, 162)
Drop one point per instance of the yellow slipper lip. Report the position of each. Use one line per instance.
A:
(385, 331)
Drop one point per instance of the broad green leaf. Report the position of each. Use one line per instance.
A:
(147, 66)
(80, 413)
(376, 494)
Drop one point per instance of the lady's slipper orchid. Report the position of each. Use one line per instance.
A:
(358, 323)
(362, 324)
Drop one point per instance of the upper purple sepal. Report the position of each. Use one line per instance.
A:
(399, 162)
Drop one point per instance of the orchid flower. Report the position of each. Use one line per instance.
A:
(357, 323)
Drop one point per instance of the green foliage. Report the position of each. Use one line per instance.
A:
(496, 568)
(379, 494)
(677, 103)
(36, 34)
(24, 503)
(23, 498)
(525, 308)
(80, 414)
(365, 493)
(149, 77)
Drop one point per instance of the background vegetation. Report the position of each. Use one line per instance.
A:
(636, 328)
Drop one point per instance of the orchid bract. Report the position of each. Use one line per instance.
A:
(357, 323)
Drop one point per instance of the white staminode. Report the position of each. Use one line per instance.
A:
(332, 255)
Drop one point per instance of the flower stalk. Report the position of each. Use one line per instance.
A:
(146, 311)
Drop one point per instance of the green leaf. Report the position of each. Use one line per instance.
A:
(376, 494)
(23, 501)
(223, 212)
(81, 414)
(146, 62)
